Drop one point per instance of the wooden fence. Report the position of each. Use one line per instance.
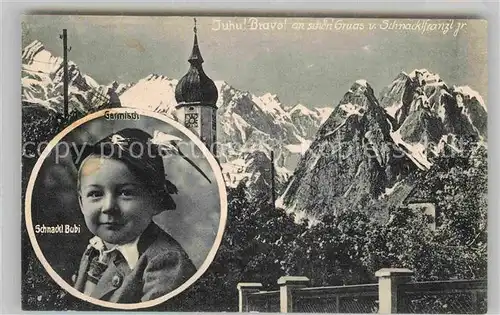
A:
(394, 293)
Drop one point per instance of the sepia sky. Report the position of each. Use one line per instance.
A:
(313, 67)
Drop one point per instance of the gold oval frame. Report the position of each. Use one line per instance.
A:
(208, 260)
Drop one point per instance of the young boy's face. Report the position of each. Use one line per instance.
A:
(116, 205)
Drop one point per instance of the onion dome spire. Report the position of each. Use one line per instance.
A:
(195, 87)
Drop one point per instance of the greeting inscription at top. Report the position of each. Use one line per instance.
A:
(329, 24)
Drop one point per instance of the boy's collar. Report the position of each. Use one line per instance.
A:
(129, 251)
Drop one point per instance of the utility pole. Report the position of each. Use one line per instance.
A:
(65, 68)
(273, 194)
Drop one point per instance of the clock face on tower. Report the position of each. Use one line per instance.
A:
(191, 120)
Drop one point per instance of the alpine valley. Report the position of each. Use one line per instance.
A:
(363, 151)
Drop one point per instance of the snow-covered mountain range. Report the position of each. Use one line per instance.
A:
(42, 82)
(249, 126)
(367, 148)
(326, 159)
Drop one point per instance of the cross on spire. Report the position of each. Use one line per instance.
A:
(195, 58)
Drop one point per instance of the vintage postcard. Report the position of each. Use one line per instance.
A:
(254, 164)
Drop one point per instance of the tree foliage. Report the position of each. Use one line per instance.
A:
(261, 243)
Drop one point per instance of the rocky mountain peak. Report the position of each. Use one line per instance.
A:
(423, 109)
(271, 98)
(468, 94)
(357, 104)
(351, 161)
(299, 108)
(366, 150)
(222, 85)
(29, 52)
(155, 76)
(42, 82)
(424, 77)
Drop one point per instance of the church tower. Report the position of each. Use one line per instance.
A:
(196, 96)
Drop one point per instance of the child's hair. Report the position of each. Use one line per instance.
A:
(134, 148)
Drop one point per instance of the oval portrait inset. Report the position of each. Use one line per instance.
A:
(126, 208)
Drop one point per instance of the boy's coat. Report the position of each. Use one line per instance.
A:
(163, 266)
